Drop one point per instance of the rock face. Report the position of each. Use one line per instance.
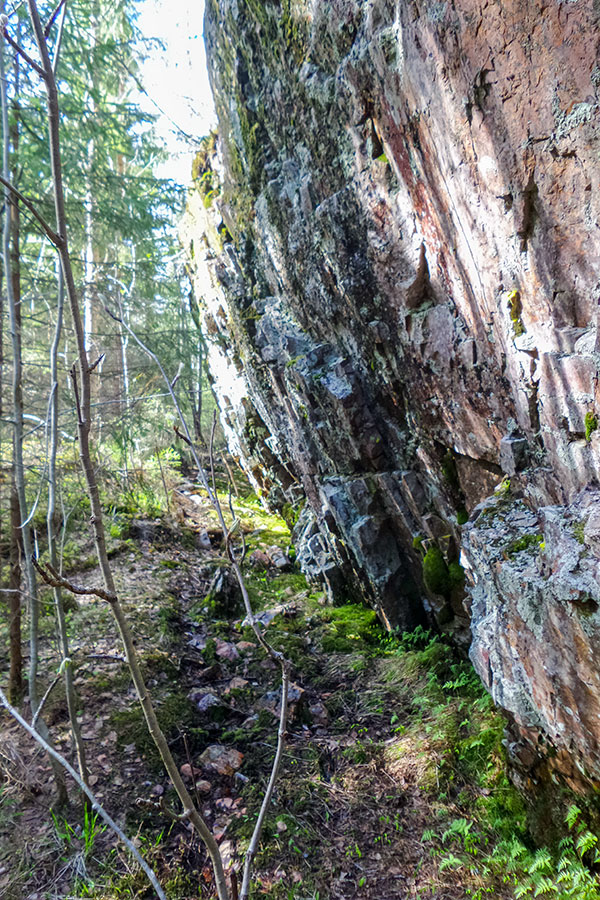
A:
(536, 627)
(395, 246)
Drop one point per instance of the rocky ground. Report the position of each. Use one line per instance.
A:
(393, 782)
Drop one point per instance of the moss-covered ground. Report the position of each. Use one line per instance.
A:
(394, 780)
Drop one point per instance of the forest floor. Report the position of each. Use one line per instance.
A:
(393, 782)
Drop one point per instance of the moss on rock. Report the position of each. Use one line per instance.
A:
(435, 572)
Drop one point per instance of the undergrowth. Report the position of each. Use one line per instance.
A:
(393, 743)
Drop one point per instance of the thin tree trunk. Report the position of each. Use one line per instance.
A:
(13, 292)
(14, 584)
(52, 550)
(82, 382)
(124, 343)
(52, 512)
(15, 678)
(196, 392)
(89, 267)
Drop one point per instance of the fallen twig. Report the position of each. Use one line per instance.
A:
(96, 805)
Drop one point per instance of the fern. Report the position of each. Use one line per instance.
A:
(541, 861)
(451, 862)
(544, 886)
(572, 815)
(585, 842)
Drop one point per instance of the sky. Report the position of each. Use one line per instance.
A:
(176, 80)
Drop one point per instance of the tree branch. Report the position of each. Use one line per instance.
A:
(73, 374)
(96, 805)
(55, 579)
(50, 233)
(162, 806)
(52, 18)
(30, 62)
(44, 698)
(281, 736)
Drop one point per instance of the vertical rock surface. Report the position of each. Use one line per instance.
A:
(395, 245)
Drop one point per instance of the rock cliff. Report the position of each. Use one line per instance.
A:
(394, 241)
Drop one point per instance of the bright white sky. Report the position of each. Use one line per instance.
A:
(176, 80)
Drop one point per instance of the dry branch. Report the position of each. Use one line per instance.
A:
(82, 384)
(56, 580)
(96, 805)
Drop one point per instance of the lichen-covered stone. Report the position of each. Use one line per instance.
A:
(398, 273)
(535, 618)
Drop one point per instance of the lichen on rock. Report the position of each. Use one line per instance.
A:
(397, 274)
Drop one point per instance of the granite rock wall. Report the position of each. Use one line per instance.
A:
(394, 239)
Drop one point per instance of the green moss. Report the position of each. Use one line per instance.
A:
(591, 425)
(350, 628)
(290, 513)
(526, 542)
(435, 572)
(579, 530)
(418, 542)
(462, 516)
(209, 653)
(516, 309)
(204, 155)
(456, 574)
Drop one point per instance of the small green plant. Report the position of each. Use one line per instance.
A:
(504, 487)
(91, 829)
(418, 542)
(571, 875)
(71, 836)
(460, 830)
(591, 425)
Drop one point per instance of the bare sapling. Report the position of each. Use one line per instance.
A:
(95, 804)
(81, 379)
(53, 550)
(13, 301)
(236, 564)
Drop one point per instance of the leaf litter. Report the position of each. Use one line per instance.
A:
(355, 796)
